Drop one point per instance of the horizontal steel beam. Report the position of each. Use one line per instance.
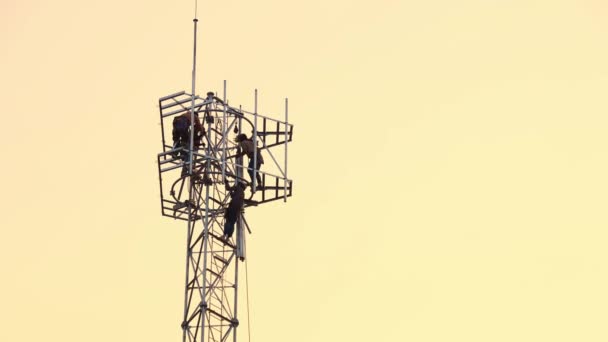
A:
(172, 95)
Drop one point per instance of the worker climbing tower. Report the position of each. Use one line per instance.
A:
(197, 176)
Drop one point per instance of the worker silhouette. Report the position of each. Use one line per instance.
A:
(231, 215)
(246, 146)
(181, 133)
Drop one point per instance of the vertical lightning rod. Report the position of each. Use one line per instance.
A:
(190, 183)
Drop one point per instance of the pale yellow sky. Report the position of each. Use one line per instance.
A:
(449, 161)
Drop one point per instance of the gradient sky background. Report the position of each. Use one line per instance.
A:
(449, 160)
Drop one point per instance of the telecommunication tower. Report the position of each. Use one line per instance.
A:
(195, 182)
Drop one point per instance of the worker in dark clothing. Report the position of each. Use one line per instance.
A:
(246, 146)
(181, 133)
(181, 136)
(237, 197)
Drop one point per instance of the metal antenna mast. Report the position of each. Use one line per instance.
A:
(209, 164)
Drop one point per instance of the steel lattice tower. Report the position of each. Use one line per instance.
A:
(196, 193)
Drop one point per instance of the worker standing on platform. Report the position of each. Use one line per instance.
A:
(237, 198)
(247, 147)
(181, 133)
(181, 136)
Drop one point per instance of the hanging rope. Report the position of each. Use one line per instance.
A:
(247, 291)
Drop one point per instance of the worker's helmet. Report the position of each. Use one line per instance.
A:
(241, 137)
